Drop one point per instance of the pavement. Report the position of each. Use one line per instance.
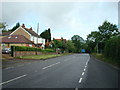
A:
(70, 71)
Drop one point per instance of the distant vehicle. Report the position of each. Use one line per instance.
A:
(83, 50)
(6, 51)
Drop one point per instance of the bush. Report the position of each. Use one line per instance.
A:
(49, 50)
(112, 48)
(23, 48)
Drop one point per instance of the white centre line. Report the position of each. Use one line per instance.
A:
(80, 80)
(82, 73)
(12, 79)
(76, 88)
(51, 65)
(9, 67)
(84, 69)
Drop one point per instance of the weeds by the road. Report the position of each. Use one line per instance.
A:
(107, 59)
(42, 57)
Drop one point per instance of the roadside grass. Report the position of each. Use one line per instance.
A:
(43, 56)
(107, 59)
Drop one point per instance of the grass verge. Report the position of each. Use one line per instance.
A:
(107, 59)
(42, 57)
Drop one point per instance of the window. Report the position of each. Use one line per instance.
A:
(30, 45)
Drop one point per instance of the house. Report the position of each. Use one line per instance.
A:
(16, 40)
(30, 34)
(64, 40)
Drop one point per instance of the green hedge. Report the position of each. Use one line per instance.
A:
(49, 50)
(23, 48)
(112, 48)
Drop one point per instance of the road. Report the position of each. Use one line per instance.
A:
(71, 71)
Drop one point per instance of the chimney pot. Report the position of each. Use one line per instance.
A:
(23, 25)
(31, 28)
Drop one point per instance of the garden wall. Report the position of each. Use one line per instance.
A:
(27, 53)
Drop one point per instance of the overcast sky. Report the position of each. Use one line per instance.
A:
(64, 18)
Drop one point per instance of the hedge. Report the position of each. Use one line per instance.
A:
(23, 48)
(112, 48)
(49, 50)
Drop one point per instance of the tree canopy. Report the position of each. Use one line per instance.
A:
(97, 39)
(15, 27)
(47, 35)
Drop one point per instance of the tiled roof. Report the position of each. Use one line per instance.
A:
(16, 39)
(60, 39)
(30, 31)
(6, 33)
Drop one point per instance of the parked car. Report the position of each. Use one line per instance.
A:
(6, 51)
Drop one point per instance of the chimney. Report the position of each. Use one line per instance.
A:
(30, 28)
(23, 25)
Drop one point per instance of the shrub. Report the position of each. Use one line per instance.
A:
(49, 50)
(23, 48)
(112, 48)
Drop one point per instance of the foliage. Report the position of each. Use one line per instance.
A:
(46, 34)
(15, 27)
(23, 48)
(107, 30)
(78, 41)
(112, 48)
(57, 44)
(3, 26)
(70, 46)
(99, 38)
(49, 50)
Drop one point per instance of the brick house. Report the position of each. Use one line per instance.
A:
(16, 40)
(29, 34)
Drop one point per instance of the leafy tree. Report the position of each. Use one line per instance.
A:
(77, 40)
(47, 35)
(15, 27)
(70, 46)
(107, 30)
(57, 44)
(99, 38)
(3, 26)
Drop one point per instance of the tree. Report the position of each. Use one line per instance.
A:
(3, 26)
(70, 46)
(107, 30)
(77, 40)
(15, 27)
(47, 35)
(97, 39)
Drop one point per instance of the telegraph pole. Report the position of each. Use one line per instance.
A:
(37, 33)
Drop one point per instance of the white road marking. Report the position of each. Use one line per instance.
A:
(76, 88)
(85, 66)
(9, 67)
(50, 65)
(82, 73)
(80, 80)
(84, 69)
(12, 79)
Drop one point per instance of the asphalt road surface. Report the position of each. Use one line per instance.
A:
(71, 71)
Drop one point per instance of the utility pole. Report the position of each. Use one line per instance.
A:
(37, 33)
